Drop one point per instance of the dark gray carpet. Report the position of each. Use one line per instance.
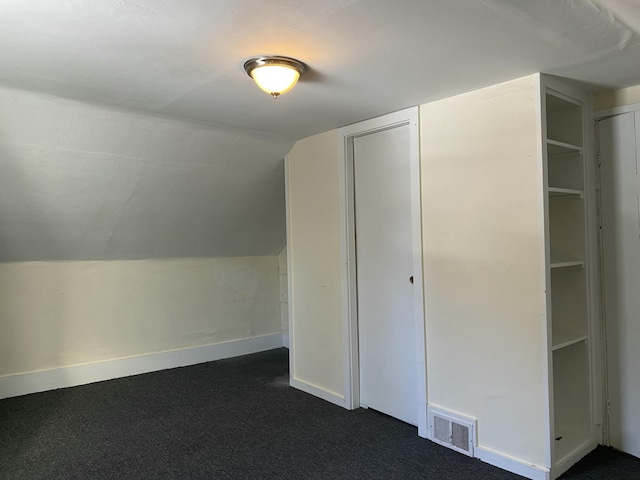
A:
(228, 419)
(605, 463)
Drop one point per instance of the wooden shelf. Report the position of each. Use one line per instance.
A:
(576, 263)
(555, 147)
(564, 192)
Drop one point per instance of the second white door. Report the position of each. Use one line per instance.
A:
(384, 259)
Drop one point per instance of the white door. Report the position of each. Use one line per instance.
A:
(386, 324)
(620, 216)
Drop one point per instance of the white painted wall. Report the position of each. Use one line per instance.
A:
(315, 270)
(92, 187)
(616, 98)
(483, 234)
(58, 314)
(284, 290)
(83, 182)
(483, 265)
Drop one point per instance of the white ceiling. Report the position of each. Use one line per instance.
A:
(369, 57)
(183, 59)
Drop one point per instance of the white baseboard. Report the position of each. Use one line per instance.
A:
(318, 392)
(423, 424)
(511, 464)
(566, 463)
(32, 382)
(285, 339)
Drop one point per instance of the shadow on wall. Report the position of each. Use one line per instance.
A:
(23, 333)
(22, 209)
(618, 294)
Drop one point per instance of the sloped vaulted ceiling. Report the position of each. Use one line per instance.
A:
(83, 182)
(174, 152)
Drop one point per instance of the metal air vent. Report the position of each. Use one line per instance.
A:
(452, 430)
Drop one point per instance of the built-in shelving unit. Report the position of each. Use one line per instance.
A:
(526, 227)
(570, 381)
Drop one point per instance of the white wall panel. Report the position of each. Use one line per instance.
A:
(58, 314)
(284, 290)
(315, 266)
(483, 265)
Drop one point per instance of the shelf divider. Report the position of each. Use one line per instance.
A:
(554, 147)
(564, 192)
(568, 343)
(576, 263)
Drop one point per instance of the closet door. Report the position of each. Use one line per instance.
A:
(620, 217)
(384, 258)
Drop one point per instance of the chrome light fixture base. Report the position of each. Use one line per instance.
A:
(276, 61)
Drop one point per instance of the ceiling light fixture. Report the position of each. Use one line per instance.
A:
(275, 75)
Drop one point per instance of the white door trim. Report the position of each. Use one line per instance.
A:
(605, 322)
(611, 112)
(351, 367)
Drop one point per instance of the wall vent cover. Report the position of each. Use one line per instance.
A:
(452, 430)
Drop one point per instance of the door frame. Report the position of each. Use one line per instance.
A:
(408, 117)
(604, 360)
(602, 317)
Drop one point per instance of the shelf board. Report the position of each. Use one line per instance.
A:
(562, 335)
(577, 263)
(568, 343)
(559, 148)
(564, 192)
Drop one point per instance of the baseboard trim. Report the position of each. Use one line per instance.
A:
(511, 464)
(318, 392)
(574, 457)
(285, 339)
(39, 381)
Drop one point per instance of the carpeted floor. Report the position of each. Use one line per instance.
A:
(229, 419)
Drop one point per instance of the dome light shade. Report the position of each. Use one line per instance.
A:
(275, 79)
(275, 75)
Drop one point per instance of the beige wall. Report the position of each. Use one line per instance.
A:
(57, 314)
(616, 98)
(483, 264)
(314, 252)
